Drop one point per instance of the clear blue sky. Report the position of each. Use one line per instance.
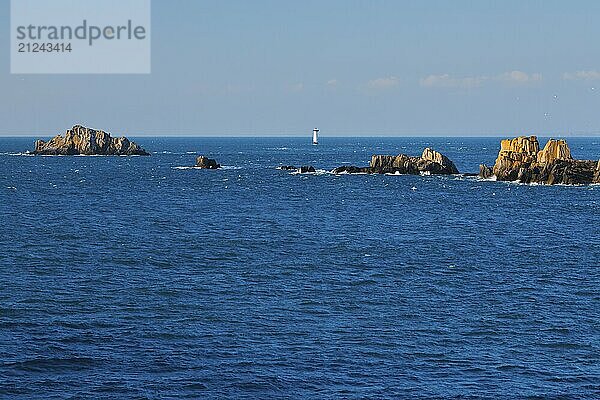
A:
(363, 68)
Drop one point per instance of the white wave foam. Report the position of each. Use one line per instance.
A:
(26, 154)
(578, 185)
(317, 172)
(517, 183)
(352, 173)
(186, 168)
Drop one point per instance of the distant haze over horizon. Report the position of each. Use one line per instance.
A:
(348, 67)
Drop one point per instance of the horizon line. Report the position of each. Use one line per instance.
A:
(274, 136)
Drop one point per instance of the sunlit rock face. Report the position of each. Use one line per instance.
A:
(520, 159)
(515, 154)
(436, 163)
(80, 140)
(554, 150)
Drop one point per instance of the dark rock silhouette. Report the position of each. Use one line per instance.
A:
(350, 169)
(306, 169)
(302, 170)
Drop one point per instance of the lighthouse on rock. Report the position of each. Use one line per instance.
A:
(315, 136)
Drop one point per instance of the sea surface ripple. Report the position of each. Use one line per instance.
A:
(136, 277)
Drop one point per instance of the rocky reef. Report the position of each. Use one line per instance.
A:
(431, 162)
(305, 169)
(520, 159)
(80, 140)
(207, 163)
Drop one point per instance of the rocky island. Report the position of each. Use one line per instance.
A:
(80, 140)
(431, 162)
(203, 162)
(520, 159)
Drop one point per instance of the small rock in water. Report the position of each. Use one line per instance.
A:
(206, 163)
(306, 169)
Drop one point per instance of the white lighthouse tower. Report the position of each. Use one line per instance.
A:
(315, 136)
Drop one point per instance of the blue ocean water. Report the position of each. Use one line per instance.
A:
(135, 277)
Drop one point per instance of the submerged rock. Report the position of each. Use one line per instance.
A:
(207, 163)
(520, 159)
(80, 140)
(430, 162)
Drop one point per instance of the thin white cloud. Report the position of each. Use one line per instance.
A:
(383, 83)
(468, 82)
(519, 77)
(332, 82)
(582, 76)
(448, 81)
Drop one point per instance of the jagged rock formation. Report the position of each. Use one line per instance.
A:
(401, 164)
(485, 172)
(86, 141)
(430, 162)
(520, 159)
(207, 163)
(554, 150)
(436, 163)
